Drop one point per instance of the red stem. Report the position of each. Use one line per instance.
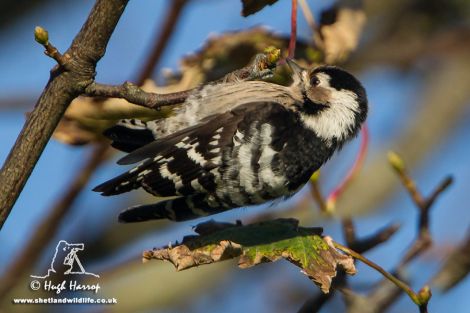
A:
(355, 168)
(293, 30)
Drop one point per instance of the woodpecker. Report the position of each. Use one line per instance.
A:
(237, 144)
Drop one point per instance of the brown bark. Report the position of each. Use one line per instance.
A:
(64, 85)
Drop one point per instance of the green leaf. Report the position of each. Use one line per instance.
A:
(253, 6)
(259, 243)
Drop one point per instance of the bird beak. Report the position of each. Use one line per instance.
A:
(296, 69)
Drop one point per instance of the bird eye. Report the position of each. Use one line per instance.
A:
(314, 81)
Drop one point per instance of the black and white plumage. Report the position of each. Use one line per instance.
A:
(237, 144)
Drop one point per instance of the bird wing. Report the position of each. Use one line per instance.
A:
(185, 162)
(129, 135)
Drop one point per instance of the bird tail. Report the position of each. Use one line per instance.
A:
(130, 134)
(125, 182)
(179, 209)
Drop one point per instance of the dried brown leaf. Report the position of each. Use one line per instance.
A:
(253, 6)
(340, 30)
(455, 268)
(260, 243)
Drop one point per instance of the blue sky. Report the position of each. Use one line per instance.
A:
(392, 93)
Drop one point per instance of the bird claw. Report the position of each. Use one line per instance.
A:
(261, 67)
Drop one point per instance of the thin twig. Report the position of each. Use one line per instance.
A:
(455, 268)
(399, 167)
(420, 244)
(314, 304)
(42, 36)
(367, 243)
(136, 95)
(361, 245)
(439, 189)
(308, 15)
(164, 33)
(356, 167)
(349, 231)
(383, 296)
(424, 239)
(52, 52)
(86, 50)
(421, 298)
(293, 29)
(315, 190)
(260, 68)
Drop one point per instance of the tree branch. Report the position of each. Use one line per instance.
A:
(455, 268)
(261, 67)
(421, 298)
(165, 28)
(42, 36)
(317, 195)
(424, 240)
(64, 85)
(48, 227)
(136, 95)
(367, 243)
(293, 29)
(384, 294)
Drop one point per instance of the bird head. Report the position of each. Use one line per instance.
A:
(334, 102)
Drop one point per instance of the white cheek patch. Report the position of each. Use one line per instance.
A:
(336, 121)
